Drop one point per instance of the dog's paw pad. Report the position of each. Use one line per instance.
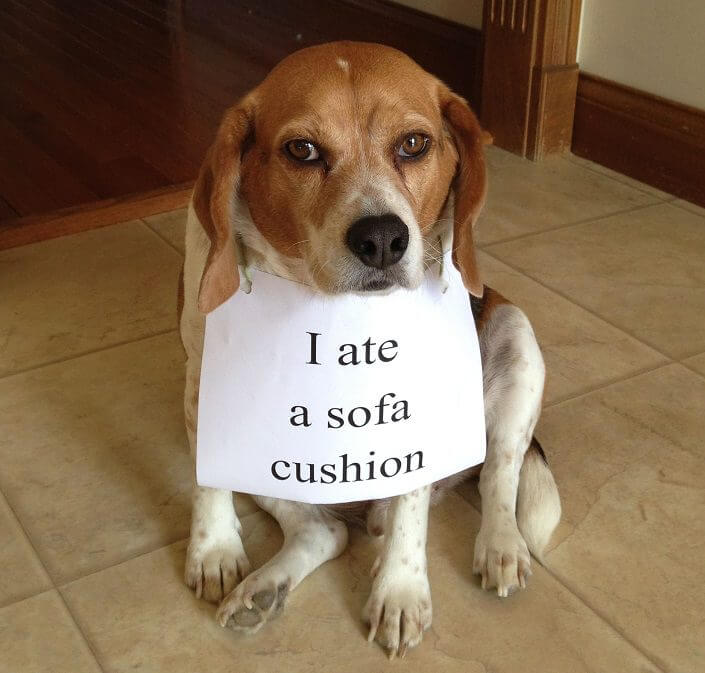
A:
(264, 599)
(249, 607)
(245, 618)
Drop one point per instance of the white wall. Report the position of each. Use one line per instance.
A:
(467, 12)
(653, 45)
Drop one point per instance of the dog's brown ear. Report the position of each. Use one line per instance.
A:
(213, 199)
(470, 184)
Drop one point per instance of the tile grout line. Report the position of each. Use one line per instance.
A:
(687, 210)
(62, 585)
(83, 354)
(559, 227)
(637, 375)
(84, 637)
(129, 559)
(72, 620)
(600, 615)
(53, 586)
(690, 367)
(668, 199)
(162, 238)
(692, 370)
(608, 383)
(28, 539)
(579, 305)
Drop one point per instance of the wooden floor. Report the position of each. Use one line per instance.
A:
(104, 98)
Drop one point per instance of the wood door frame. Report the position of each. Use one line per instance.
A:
(530, 74)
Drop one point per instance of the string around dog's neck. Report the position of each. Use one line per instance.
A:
(243, 263)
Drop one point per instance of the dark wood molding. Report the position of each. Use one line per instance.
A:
(35, 228)
(652, 139)
(530, 74)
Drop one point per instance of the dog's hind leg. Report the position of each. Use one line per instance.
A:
(515, 485)
(312, 536)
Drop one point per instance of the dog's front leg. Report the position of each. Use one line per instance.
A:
(399, 607)
(513, 377)
(215, 558)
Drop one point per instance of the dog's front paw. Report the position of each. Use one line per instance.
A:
(215, 566)
(256, 600)
(398, 609)
(502, 559)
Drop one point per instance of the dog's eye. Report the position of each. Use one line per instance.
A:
(302, 150)
(414, 146)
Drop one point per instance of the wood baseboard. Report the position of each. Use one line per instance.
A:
(657, 141)
(34, 228)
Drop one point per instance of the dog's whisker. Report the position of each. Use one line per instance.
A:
(305, 240)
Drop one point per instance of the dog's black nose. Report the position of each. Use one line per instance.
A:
(378, 240)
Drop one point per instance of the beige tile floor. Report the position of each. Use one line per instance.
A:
(94, 471)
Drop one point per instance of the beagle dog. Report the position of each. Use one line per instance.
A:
(341, 170)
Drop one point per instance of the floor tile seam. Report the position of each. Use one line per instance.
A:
(32, 546)
(15, 602)
(163, 239)
(603, 617)
(56, 591)
(636, 375)
(84, 635)
(78, 578)
(567, 225)
(644, 190)
(61, 584)
(587, 309)
(607, 383)
(77, 356)
(687, 210)
(690, 367)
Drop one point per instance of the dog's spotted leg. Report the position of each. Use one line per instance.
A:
(399, 607)
(215, 558)
(513, 380)
(311, 537)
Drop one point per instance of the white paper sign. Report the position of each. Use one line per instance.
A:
(333, 399)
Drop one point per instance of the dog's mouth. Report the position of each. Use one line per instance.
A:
(376, 285)
(379, 280)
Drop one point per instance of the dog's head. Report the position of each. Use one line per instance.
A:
(345, 156)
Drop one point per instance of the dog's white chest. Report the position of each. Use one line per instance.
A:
(334, 399)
